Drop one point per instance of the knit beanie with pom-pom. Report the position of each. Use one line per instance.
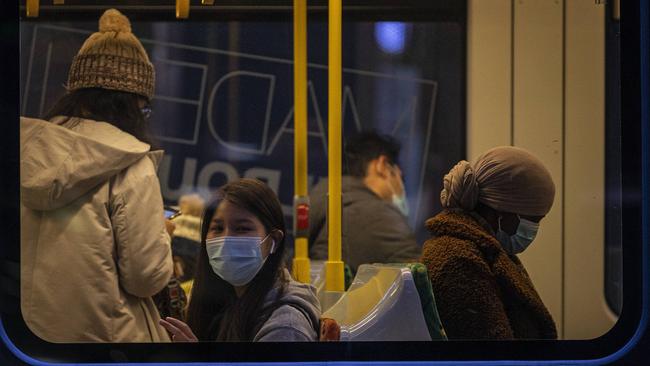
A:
(113, 58)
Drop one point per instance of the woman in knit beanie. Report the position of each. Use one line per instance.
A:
(94, 243)
(111, 79)
(493, 209)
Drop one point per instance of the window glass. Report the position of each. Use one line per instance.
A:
(223, 105)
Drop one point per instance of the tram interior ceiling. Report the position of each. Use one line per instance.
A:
(269, 10)
(447, 80)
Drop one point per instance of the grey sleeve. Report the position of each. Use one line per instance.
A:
(286, 324)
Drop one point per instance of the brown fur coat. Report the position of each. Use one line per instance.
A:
(481, 292)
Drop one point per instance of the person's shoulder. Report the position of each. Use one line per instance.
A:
(141, 173)
(289, 315)
(300, 294)
(286, 324)
(446, 248)
(377, 213)
(294, 317)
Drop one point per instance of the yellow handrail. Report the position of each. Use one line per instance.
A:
(334, 280)
(31, 7)
(182, 9)
(301, 266)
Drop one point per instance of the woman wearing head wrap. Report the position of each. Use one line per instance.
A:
(492, 212)
(94, 246)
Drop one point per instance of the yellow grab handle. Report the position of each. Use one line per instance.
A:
(182, 9)
(334, 266)
(300, 96)
(334, 276)
(207, 2)
(58, 2)
(301, 264)
(32, 8)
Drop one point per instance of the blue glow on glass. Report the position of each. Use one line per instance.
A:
(390, 36)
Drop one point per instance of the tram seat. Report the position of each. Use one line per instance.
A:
(317, 274)
(382, 304)
(428, 301)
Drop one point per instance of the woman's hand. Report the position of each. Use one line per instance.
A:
(170, 227)
(180, 331)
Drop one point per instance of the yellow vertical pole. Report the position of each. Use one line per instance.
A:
(301, 267)
(31, 7)
(182, 9)
(334, 266)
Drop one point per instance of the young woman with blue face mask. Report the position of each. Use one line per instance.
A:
(242, 291)
(492, 212)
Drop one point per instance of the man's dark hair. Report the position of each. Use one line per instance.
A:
(364, 147)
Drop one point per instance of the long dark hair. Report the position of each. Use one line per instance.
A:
(115, 107)
(215, 312)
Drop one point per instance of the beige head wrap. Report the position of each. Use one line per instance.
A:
(506, 178)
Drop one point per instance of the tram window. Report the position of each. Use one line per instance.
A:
(223, 110)
(223, 106)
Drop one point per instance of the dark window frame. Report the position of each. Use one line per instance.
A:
(610, 345)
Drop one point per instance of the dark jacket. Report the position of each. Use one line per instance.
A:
(481, 292)
(374, 231)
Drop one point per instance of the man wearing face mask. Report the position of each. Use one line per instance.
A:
(493, 210)
(375, 210)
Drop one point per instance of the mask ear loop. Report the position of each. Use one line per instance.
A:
(272, 241)
(273, 246)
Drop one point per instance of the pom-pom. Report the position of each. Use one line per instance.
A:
(114, 21)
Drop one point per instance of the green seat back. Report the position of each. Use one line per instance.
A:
(348, 276)
(423, 285)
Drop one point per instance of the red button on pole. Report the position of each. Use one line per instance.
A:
(302, 217)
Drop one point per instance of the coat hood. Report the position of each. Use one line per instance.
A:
(298, 295)
(59, 164)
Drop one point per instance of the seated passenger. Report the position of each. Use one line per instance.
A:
(375, 227)
(492, 213)
(242, 292)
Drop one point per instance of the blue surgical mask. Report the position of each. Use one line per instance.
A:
(517, 243)
(399, 200)
(402, 204)
(236, 259)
